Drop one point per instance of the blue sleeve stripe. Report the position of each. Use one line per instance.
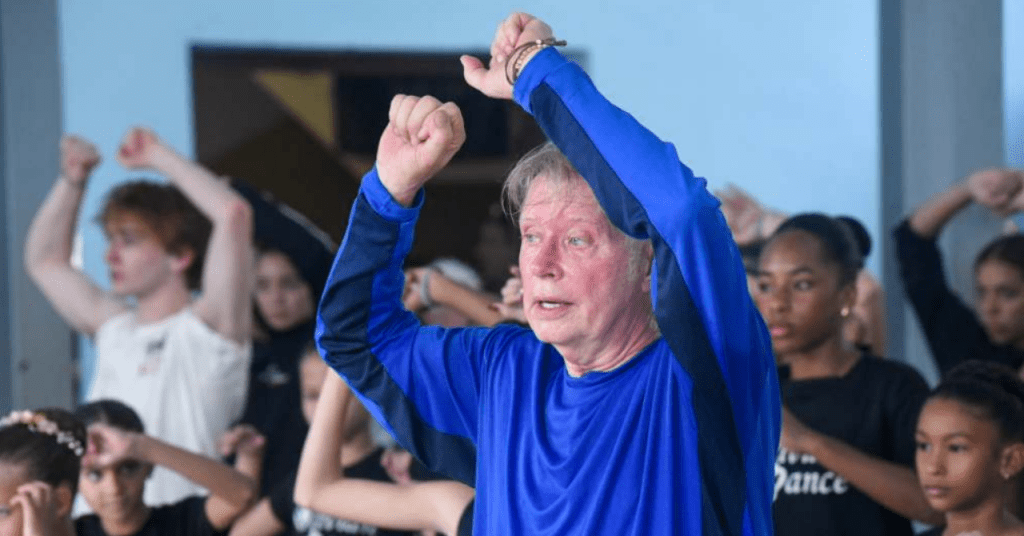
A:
(343, 340)
(723, 474)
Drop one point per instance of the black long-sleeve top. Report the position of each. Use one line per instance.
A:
(951, 328)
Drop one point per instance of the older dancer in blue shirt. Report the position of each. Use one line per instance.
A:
(643, 400)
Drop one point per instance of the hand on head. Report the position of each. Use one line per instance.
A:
(999, 189)
(242, 440)
(78, 157)
(39, 509)
(422, 135)
(137, 148)
(109, 445)
(517, 29)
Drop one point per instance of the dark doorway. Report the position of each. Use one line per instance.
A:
(304, 125)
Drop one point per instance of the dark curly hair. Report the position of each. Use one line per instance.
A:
(40, 453)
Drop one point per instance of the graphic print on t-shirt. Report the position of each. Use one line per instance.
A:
(154, 353)
(312, 523)
(801, 474)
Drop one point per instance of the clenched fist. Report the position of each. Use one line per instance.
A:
(998, 189)
(138, 148)
(422, 135)
(78, 157)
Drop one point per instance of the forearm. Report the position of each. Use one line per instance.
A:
(474, 305)
(890, 484)
(929, 219)
(212, 196)
(49, 238)
(320, 464)
(222, 481)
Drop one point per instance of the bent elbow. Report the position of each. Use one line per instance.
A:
(237, 217)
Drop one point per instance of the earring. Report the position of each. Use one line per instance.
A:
(845, 312)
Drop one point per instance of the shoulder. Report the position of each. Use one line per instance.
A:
(893, 380)
(185, 506)
(88, 525)
(890, 368)
(187, 323)
(117, 324)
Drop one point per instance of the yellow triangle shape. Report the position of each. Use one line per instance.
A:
(309, 96)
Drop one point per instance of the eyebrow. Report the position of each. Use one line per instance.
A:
(964, 435)
(796, 271)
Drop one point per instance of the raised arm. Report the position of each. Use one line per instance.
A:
(76, 298)
(421, 383)
(225, 301)
(998, 189)
(699, 287)
(231, 492)
(321, 485)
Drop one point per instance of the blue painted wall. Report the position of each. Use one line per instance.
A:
(1013, 81)
(780, 98)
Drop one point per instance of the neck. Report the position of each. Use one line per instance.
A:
(65, 528)
(607, 357)
(127, 525)
(832, 358)
(356, 448)
(163, 302)
(988, 518)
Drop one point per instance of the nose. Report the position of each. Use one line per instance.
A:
(988, 305)
(113, 254)
(931, 462)
(776, 298)
(545, 260)
(115, 484)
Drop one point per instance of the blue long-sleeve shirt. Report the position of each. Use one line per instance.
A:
(680, 440)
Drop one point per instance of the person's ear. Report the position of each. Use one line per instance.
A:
(1012, 460)
(648, 265)
(182, 259)
(64, 499)
(847, 299)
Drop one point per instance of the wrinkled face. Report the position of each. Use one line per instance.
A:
(1000, 302)
(798, 294)
(579, 291)
(282, 296)
(312, 373)
(138, 262)
(957, 456)
(11, 476)
(114, 492)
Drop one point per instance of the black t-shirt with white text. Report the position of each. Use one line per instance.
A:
(874, 409)
(184, 518)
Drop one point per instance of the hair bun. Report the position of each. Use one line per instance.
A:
(859, 232)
